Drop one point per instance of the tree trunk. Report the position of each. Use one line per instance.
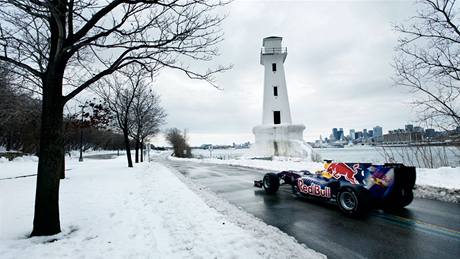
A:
(50, 163)
(128, 150)
(142, 151)
(8, 142)
(62, 174)
(137, 152)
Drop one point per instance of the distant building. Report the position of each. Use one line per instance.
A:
(418, 129)
(396, 131)
(409, 127)
(430, 133)
(340, 134)
(365, 136)
(377, 134)
(335, 134)
(397, 137)
(206, 146)
(352, 134)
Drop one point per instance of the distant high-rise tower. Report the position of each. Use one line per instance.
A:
(335, 133)
(377, 131)
(365, 136)
(377, 134)
(277, 136)
(340, 134)
(352, 134)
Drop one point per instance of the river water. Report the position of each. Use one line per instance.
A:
(425, 156)
(421, 156)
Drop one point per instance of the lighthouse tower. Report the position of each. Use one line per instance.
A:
(277, 136)
(276, 103)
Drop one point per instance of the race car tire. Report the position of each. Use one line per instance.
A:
(352, 201)
(400, 198)
(271, 183)
(407, 197)
(402, 194)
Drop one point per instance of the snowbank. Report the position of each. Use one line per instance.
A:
(110, 211)
(444, 177)
(439, 184)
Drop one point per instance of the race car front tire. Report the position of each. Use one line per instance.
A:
(271, 183)
(352, 201)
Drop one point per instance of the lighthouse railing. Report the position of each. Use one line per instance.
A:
(273, 50)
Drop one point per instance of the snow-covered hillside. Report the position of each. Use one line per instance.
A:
(110, 211)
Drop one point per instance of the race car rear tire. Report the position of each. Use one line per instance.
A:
(271, 183)
(407, 198)
(402, 194)
(352, 201)
(400, 198)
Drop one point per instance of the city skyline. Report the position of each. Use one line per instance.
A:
(410, 133)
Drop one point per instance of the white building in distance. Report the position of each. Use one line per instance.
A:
(277, 136)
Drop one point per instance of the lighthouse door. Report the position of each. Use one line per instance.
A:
(276, 117)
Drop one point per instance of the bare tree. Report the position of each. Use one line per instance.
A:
(19, 113)
(147, 116)
(119, 92)
(428, 62)
(61, 47)
(94, 115)
(419, 155)
(179, 142)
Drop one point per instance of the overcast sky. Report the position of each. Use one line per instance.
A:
(338, 71)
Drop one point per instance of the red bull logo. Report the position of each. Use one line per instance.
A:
(338, 170)
(313, 189)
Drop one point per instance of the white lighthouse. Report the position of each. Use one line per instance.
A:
(277, 136)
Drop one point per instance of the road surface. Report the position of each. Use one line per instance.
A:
(426, 229)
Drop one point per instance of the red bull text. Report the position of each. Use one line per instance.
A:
(313, 189)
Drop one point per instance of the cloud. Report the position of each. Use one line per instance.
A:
(338, 70)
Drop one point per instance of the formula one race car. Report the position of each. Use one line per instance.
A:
(354, 187)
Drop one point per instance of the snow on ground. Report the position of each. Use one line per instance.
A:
(20, 166)
(110, 211)
(440, 183)
(444, 177)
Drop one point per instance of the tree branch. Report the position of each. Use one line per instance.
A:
(21, 65)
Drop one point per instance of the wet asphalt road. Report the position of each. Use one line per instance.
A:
(425, 229)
